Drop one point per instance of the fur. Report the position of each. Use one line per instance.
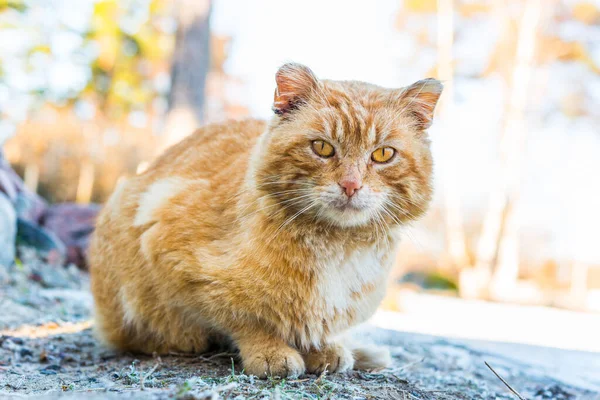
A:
(241, 231)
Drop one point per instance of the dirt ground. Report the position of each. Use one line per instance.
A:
(47, 350)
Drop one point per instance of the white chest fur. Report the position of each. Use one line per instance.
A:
(353, 286)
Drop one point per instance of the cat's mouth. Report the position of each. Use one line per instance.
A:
(348, 205)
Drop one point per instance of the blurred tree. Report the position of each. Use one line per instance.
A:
(189, 70)
(133, 48)
(12, 4)
(455, 236)
(498, 248)
(99, 68)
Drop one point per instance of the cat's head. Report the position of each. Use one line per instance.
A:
(347, 153)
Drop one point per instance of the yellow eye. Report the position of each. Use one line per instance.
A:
(383, 154)
(322, 148)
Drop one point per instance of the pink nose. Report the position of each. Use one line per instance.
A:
(350, 186)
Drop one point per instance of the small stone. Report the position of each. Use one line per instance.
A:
(50, 369)
(47, 372)
(52, 276)
(25, 352)
(15, 340)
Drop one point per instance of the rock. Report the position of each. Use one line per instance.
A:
(73, 225)
(29, 205)
(30, 234)
(7, 186)
(553, 392)
(25, 352)
(50, 369)
(8, 231)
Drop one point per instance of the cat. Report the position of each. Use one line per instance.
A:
(277, 237)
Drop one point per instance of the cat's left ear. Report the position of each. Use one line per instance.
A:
(420, 99)
(295, 84)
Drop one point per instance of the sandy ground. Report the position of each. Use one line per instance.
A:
(47, 350)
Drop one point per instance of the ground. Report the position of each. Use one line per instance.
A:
(47, 349)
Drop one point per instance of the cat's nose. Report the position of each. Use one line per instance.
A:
(350, 186)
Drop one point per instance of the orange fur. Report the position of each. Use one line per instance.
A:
(241, 231)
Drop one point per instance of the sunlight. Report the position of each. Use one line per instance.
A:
(48, 329)
(481, 320)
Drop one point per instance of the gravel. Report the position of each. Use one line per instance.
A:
(47, 350)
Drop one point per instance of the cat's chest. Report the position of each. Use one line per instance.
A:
(349, 290)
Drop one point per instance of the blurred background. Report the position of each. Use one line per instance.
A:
(92, 90)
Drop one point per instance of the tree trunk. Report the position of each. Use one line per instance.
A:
(189, 70)
(498, 245)
(455, 236)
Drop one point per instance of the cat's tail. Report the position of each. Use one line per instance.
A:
(367, 356)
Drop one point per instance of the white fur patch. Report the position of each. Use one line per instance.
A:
(115, 199)
(129, 313)
(338, 283)
(372, 133)
(156, 197)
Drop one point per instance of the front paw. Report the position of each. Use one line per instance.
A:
(334, 357)
(283, 362)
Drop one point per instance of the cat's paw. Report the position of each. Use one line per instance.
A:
(334, 357)
(283, 362)
(371, 357)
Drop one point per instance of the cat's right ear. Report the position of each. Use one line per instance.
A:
(295, 83)
(420, 99)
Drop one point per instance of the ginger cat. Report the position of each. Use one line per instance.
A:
(277, 236)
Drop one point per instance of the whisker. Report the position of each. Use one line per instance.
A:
(285, 204)
(289, 220)
(273, 194)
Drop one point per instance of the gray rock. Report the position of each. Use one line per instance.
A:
(29, 205)
(73, 224)
(7, 185)
(33, 235)
(8, 231)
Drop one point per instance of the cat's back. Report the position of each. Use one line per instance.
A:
(212, 162)
(192, 186)
(211, 150)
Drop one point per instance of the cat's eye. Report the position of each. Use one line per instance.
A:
(383, 154)
(322, 148)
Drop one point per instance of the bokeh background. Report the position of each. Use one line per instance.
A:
(92, 90)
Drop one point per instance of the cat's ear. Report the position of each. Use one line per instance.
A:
(420, 99)
(295, 83)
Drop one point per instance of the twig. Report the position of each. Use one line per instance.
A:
(148, 374)
(505, 383)
(409, 365)
(320, 378)
(224, 354)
